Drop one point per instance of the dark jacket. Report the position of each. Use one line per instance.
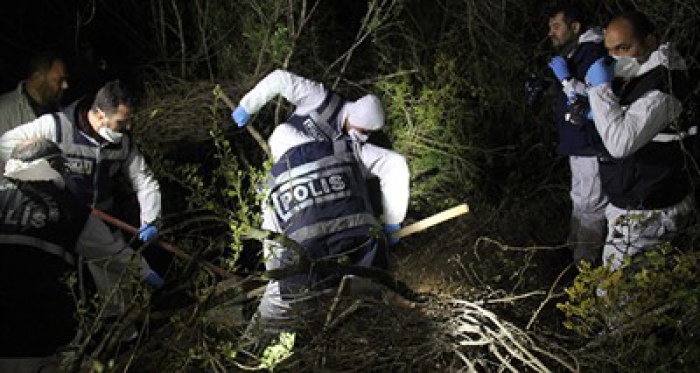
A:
(39, 229)
(578, 139)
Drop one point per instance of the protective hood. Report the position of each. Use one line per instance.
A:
(592, 35)
(628, 67)
(366, 113)
(664, 55)
(37, 170)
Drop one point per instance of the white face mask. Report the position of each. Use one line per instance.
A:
(109, 135)
(356, 135)
(626, 67)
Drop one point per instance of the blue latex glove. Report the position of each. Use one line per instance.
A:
(240, 116)
(389, 229)
(601, 71)
(154, 280)
(147, 232)
(560, 68)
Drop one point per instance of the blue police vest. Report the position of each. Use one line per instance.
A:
(39, 227)
(93, 166)
(318, 189)
(577, 139)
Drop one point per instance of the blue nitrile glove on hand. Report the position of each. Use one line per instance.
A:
(154, 280)
(240, 116)
(389, 229)
(560, 68)
(147, 232)
(601, 71)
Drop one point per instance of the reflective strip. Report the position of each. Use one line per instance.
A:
(285, 216)
(328, 111)
(302, 180)
(45, 246)
(668, 137)
(332, 226)
(57, 125)
(321, 196)
(323, 125)
(326, 162)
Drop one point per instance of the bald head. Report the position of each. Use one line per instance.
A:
(630, 34)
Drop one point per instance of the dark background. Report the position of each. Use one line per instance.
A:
(98, 40)
(107, 39)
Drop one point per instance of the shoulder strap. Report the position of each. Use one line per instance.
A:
(324, 127)
(59, 128)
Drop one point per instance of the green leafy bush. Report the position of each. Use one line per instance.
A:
(643, 313)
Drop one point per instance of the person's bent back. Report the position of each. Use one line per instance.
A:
(43, 229)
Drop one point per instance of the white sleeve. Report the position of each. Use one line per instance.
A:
(394, 178)
(44, 126)
(303, 93)
(285, 137)
(96, 242)
(624, 131)
(144, 183)
(269, 221)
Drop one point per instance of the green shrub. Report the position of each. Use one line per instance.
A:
(643, 314)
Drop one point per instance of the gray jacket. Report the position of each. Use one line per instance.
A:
(15, 109)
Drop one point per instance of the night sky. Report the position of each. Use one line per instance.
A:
(98, 39)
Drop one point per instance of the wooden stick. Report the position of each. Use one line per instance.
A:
(253, 132)
(167, 246)
(430, 221)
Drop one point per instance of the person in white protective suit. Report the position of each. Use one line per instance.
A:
(578, 46)
(639, 104)
(318, 196)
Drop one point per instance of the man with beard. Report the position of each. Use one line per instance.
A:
(640, 103)
(577, 48)
(40, 94)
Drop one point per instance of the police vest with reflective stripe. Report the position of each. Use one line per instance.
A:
(39, 227)
(318, 190)
(40, 216)
(323, 123)
(655, 176)
(93, 166)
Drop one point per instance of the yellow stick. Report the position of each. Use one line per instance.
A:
(433, 220)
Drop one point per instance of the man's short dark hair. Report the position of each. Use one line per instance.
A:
(641, 25)
(572, 13)
(42, 62)
(111, 95)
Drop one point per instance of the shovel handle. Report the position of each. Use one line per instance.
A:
(165, 245)
(253, 132)
(431, 221)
